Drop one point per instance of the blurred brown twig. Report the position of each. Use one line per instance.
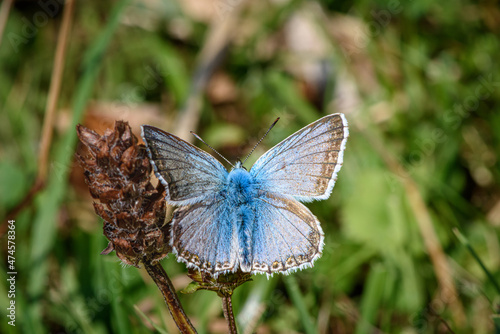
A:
(51, 106)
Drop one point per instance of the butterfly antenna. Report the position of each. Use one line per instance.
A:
(213, 149)
(261, 139)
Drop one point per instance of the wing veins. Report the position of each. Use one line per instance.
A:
(175, 147)
(197, 224)
(312, 163)
(320, 134)
(282, 237)
(206, 208)
(186, 163)
(288, 146)
(190, 226)
(314, 137)
(316, 144)
(198, 183)
(192, 149)
(274, 245)
(303, 156)
(288, 220)
(319, 176)
(285, 179)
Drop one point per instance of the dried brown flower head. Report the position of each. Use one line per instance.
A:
(118, 174)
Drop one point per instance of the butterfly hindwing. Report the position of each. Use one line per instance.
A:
(286, 237)
(305, 165)
(204, 237)
(189, 174)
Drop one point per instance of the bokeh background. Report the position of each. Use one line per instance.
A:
(412, 226)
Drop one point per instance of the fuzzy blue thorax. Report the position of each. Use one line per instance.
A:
(240, 186)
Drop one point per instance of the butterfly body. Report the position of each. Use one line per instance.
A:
(249, 220)
(241, 195)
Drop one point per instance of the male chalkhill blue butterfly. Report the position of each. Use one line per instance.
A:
(249, 220)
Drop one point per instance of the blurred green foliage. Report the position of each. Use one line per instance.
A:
(418, 77)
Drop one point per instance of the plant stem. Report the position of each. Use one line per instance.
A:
(4, 15)
(161, 279)
(54, 90)
(467, 244)
(227, 307)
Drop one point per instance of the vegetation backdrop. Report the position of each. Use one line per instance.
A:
(412, 226)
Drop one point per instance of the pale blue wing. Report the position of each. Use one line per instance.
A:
(286, 236)
(204, 236)
(189, 174)
(305, 165)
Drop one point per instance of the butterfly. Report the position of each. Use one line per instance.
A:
(253, 220)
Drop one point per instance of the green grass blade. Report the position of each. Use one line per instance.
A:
(372, 297)
(293, 290)
(467, 244)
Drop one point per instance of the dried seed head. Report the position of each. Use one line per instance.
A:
(118, 174)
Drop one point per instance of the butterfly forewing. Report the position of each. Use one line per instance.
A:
(189, 174)
(305, 165)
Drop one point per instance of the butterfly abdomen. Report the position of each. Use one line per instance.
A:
(241, 194)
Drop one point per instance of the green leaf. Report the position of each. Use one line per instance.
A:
(191, 288)
(12, 184)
